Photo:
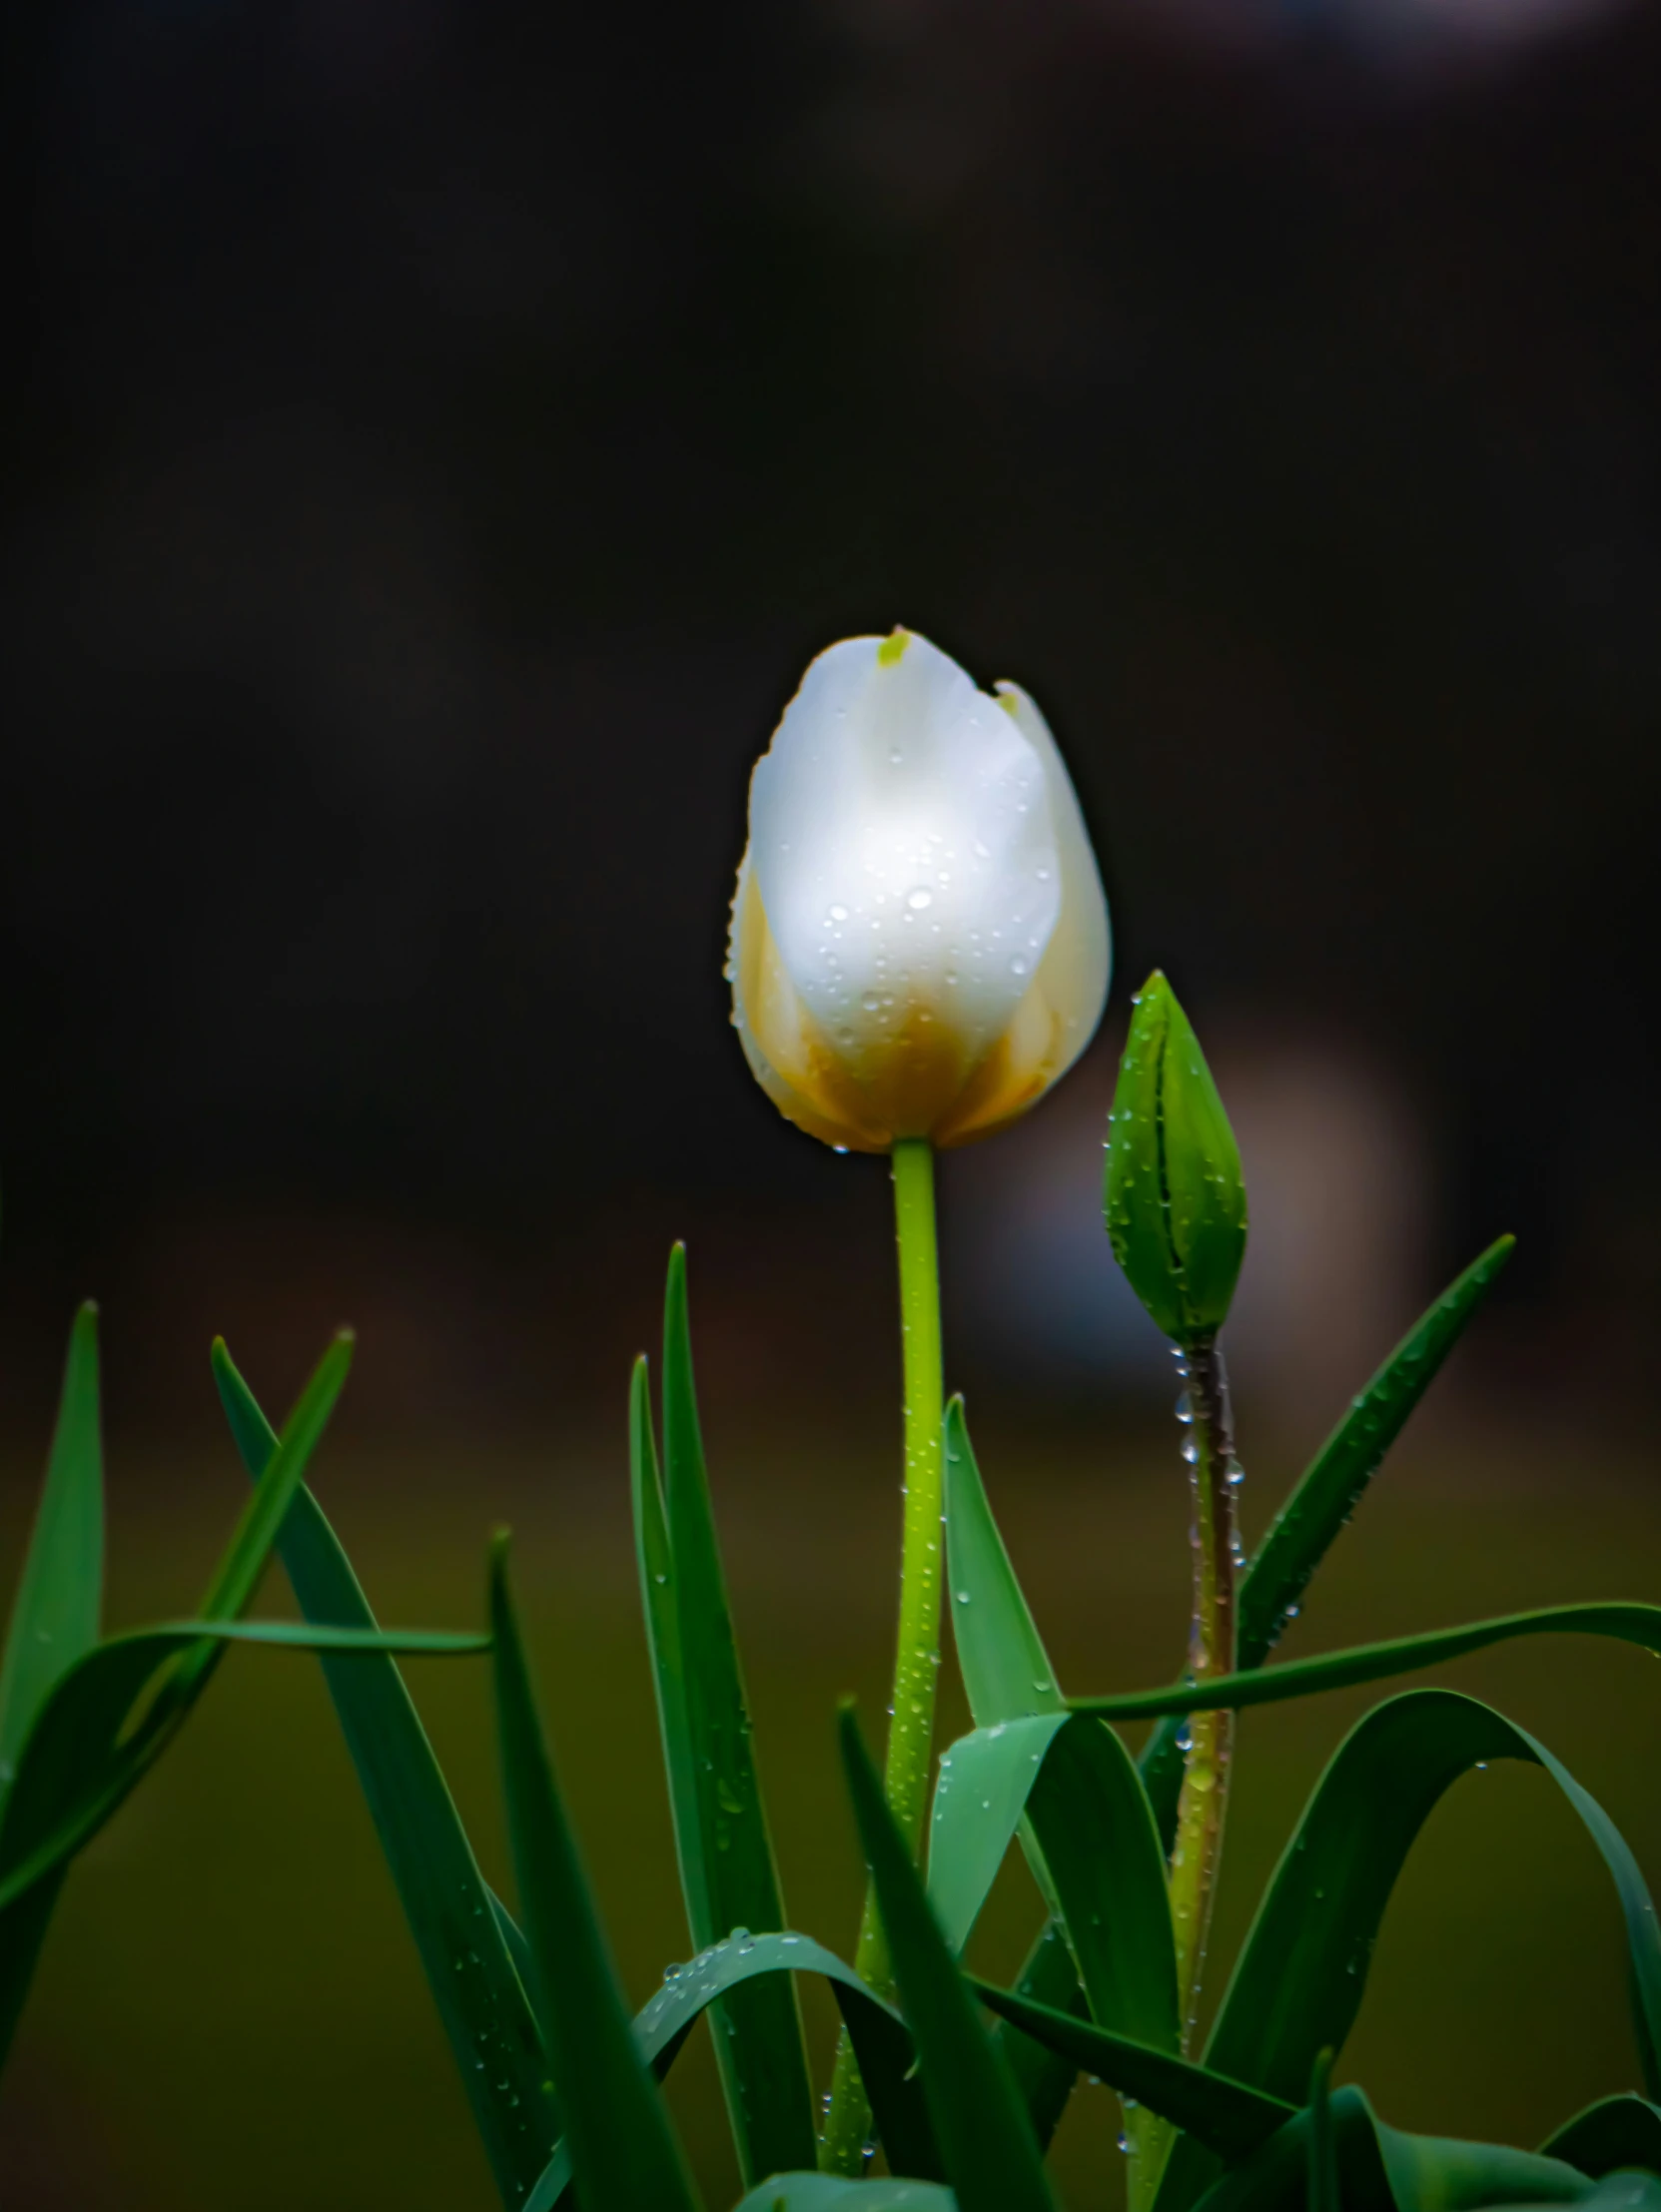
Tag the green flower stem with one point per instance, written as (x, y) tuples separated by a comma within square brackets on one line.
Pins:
[(922, 1567), (1204, 1797)]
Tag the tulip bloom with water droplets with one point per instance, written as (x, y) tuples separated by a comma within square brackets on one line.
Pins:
[(920, 943)]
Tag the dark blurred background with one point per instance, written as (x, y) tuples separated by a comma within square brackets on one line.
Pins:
[(436, 438)]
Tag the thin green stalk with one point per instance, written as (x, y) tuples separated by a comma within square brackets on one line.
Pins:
[(1193, 1859), (1209, 1741), (922, 1567)]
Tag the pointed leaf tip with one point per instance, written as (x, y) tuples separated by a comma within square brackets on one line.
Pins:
[(56, 1605), (729, 1873), (444, 1897)]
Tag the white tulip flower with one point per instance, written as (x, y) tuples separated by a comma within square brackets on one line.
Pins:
[(920, 943)]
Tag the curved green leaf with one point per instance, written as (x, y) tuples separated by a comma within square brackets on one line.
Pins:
[(1080, 1789), (74, 1771), (1085, 1820), (1404, 1655), (460, 1930), (726, 1853), (1303, 1968), (985, 2140), (1439, 2174), (1380, 2169), (1232, 2117), (1613, 2133), (623, 2148), (1324, 1497), (829, 2193), (80, 1759), (1622, 2191), (54, 1616), (980, 1797), (882, 2042), (1302, 1972)]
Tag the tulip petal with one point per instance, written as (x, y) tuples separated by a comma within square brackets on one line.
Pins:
[(794, 1067), (1059, 1016), (1077, 960), (919, 941), (904, 849)]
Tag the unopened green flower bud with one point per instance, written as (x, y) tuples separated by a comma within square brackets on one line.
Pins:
[(1175, 1196)]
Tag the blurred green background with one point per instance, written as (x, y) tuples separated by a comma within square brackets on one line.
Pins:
[(230, 2010)]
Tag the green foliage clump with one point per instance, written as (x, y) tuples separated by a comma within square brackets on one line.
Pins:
[(965, 2081)]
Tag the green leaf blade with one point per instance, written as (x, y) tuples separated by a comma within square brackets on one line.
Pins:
[(623, 2152), (986, 2141), (655, 1561), (729, 1856), (1324, 1497), (1380, 2169), (980, 1798), (1228, 2116), (1008, 1676), (55, 1613), (1302, 1971), (817, 2192), (1337, 1478), (1094, 1826), (1406, 1654), (1044, 2078), (80, 1759), (1613, 2133), (1006, 1670), (483, 2007), (881, 2040)]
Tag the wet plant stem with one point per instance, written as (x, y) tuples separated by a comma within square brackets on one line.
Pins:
[(1209, 1449), (922, 1573), (1209, 1737)]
